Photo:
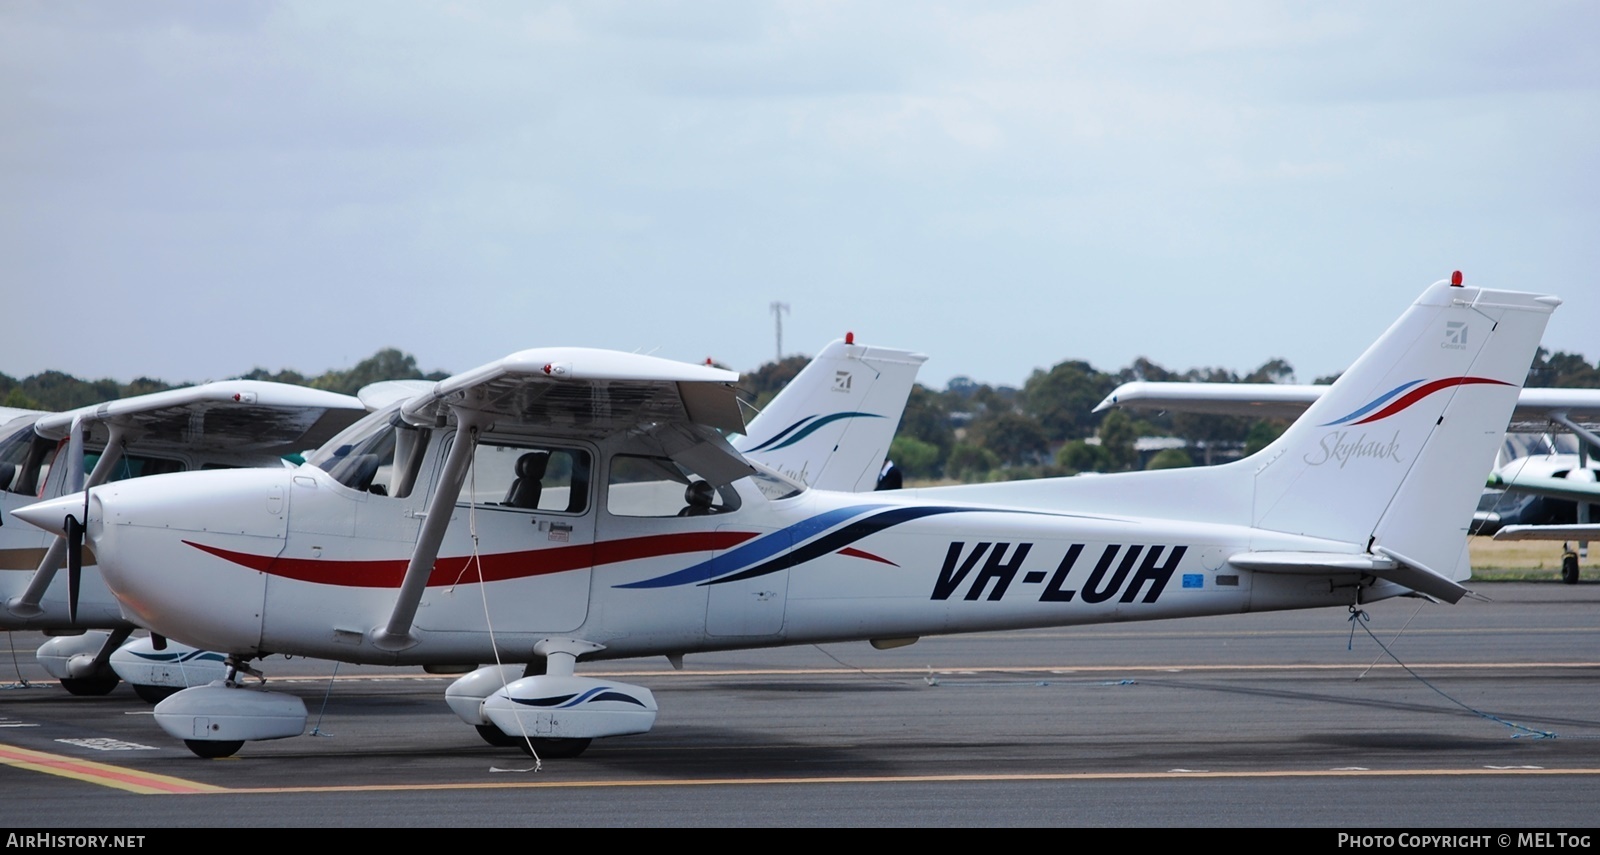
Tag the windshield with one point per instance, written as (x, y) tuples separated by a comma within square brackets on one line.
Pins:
[(355, 457)]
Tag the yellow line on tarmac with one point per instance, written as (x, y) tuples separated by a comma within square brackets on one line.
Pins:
[(133, 781), (917, 671), (921, 779), (104, 774)]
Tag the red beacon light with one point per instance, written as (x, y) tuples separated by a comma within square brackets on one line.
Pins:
[(1455, 279), (849, 338)]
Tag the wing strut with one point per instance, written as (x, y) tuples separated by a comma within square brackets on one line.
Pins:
[(396, 635), (26, 604)]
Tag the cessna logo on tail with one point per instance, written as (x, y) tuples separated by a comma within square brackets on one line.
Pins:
[(1000, 563), (1455, 335)]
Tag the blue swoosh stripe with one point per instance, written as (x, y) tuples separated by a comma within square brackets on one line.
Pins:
[(781, 434), (819, 423), (760, 549), (1376, 403)]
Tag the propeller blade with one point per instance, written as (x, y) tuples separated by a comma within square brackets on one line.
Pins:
[(74, 564), (158, 641)]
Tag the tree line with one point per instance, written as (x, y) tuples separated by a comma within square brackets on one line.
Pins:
[(968, 432)]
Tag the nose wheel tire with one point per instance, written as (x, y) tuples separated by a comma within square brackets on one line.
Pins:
[(213, 750), (154, 694), (90, 686), (497, 737)]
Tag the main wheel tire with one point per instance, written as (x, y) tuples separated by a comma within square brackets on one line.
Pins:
[(154, 694), (1569, 569), (497, 737), (554, 748), (211, 750), (90, 686)]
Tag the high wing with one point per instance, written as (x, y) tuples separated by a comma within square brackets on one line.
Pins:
[(240, 415), (586, 392), (1535, 409), (9, 413)]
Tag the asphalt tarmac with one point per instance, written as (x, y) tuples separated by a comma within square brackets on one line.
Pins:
[(1281, 719)]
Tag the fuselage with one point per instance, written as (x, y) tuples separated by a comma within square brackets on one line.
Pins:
[(310, 561)]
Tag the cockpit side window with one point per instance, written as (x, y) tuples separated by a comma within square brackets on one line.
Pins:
[(528, 477)]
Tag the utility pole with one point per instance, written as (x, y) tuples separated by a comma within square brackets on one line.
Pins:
[(778, 311)]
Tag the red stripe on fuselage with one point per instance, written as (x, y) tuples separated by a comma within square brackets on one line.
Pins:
[(388, 573), (857, 553)]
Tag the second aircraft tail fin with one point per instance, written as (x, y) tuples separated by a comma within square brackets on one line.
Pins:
[(832, 425)]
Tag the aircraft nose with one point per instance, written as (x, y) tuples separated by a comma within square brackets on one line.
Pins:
[(51, 514)]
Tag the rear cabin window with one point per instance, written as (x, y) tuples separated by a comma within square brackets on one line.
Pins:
[(641, 486)]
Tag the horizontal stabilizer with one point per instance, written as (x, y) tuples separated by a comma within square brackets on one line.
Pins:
[(1312, 563), (1394, 568)]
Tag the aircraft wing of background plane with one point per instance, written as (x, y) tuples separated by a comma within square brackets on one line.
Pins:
[(1575, 531), (9, 413), (381, 394), (239, 415), (1571, 489), (1534, 410)]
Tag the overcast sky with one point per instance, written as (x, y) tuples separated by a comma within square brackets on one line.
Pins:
[(189, 190)]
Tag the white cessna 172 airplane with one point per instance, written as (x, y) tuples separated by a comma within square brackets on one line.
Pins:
[(831, 425), (649, 535), (216, 425), (1531, 496)]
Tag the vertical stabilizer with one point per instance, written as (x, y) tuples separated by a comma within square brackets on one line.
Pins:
[(832, 425), (1391, 456)]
